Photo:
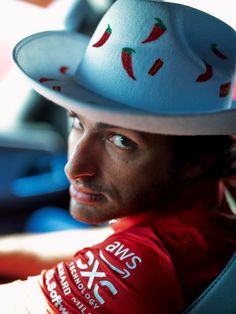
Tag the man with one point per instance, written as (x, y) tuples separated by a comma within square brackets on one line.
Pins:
[(150, 84)]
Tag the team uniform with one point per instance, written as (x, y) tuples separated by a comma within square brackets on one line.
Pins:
[(151, 264)]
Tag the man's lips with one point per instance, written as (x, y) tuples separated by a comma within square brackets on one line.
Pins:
[(84, 196)]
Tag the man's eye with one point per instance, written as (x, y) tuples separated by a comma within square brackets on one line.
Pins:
[(122, 142), (74, 122)]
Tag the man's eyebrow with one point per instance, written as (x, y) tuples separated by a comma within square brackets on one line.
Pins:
[(102, 125), (99, 125)]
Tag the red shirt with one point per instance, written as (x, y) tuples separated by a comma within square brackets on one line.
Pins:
[(151, 264)]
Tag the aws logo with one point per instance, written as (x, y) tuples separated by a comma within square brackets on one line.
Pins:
[(124, 254), (92, 274)]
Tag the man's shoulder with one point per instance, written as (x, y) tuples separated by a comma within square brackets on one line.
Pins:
[(124, 272)]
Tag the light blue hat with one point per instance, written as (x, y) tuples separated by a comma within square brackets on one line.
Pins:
[(151, 66)]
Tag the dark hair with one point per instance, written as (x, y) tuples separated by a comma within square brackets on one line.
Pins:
[(221, 147)]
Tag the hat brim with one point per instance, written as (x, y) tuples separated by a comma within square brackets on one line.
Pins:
[(51, 75)]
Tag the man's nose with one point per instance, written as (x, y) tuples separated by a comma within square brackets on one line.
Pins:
[(82, 159)]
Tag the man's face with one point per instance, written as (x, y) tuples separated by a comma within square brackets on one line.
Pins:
[(117, 172)]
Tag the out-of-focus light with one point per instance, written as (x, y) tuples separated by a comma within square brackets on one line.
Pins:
[(41, 3), (234, 92), (100, 6), (5, 58), (18, 19), (14, 92)]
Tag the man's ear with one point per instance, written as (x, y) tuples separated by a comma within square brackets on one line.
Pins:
[(199, 166)]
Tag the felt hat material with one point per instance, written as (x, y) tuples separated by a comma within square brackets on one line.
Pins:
[(151, 66)]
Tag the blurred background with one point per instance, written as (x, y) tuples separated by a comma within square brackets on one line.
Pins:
[(33, 188)]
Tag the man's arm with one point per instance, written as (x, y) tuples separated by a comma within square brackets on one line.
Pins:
[(23, 297), (23, 255), (127, 272)]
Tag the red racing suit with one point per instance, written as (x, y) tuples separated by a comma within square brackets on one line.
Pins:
[(151, 264)]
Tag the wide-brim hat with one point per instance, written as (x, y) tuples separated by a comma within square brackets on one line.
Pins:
[(151, 66)]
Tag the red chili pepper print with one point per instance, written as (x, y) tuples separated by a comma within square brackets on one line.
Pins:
[(217, 52), (46, 79), (207, 75), (104, 37), (57, 88), (63, 69), (224, 89), (155, 67), (157, 31), (126, 57)]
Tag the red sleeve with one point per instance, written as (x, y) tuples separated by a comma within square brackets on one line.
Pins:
[(128, 273)]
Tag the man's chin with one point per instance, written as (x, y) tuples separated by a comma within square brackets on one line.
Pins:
[(86, 213)]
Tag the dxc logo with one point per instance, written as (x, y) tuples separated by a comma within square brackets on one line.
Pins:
[(92, 274)]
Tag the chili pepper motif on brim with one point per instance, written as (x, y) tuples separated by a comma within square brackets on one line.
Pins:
[(56, 88), (207, 75), (217, 52), (46, 79), (225, 89), (62, 70)]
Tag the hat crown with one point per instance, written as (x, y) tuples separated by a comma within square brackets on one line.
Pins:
[(161, 57)]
